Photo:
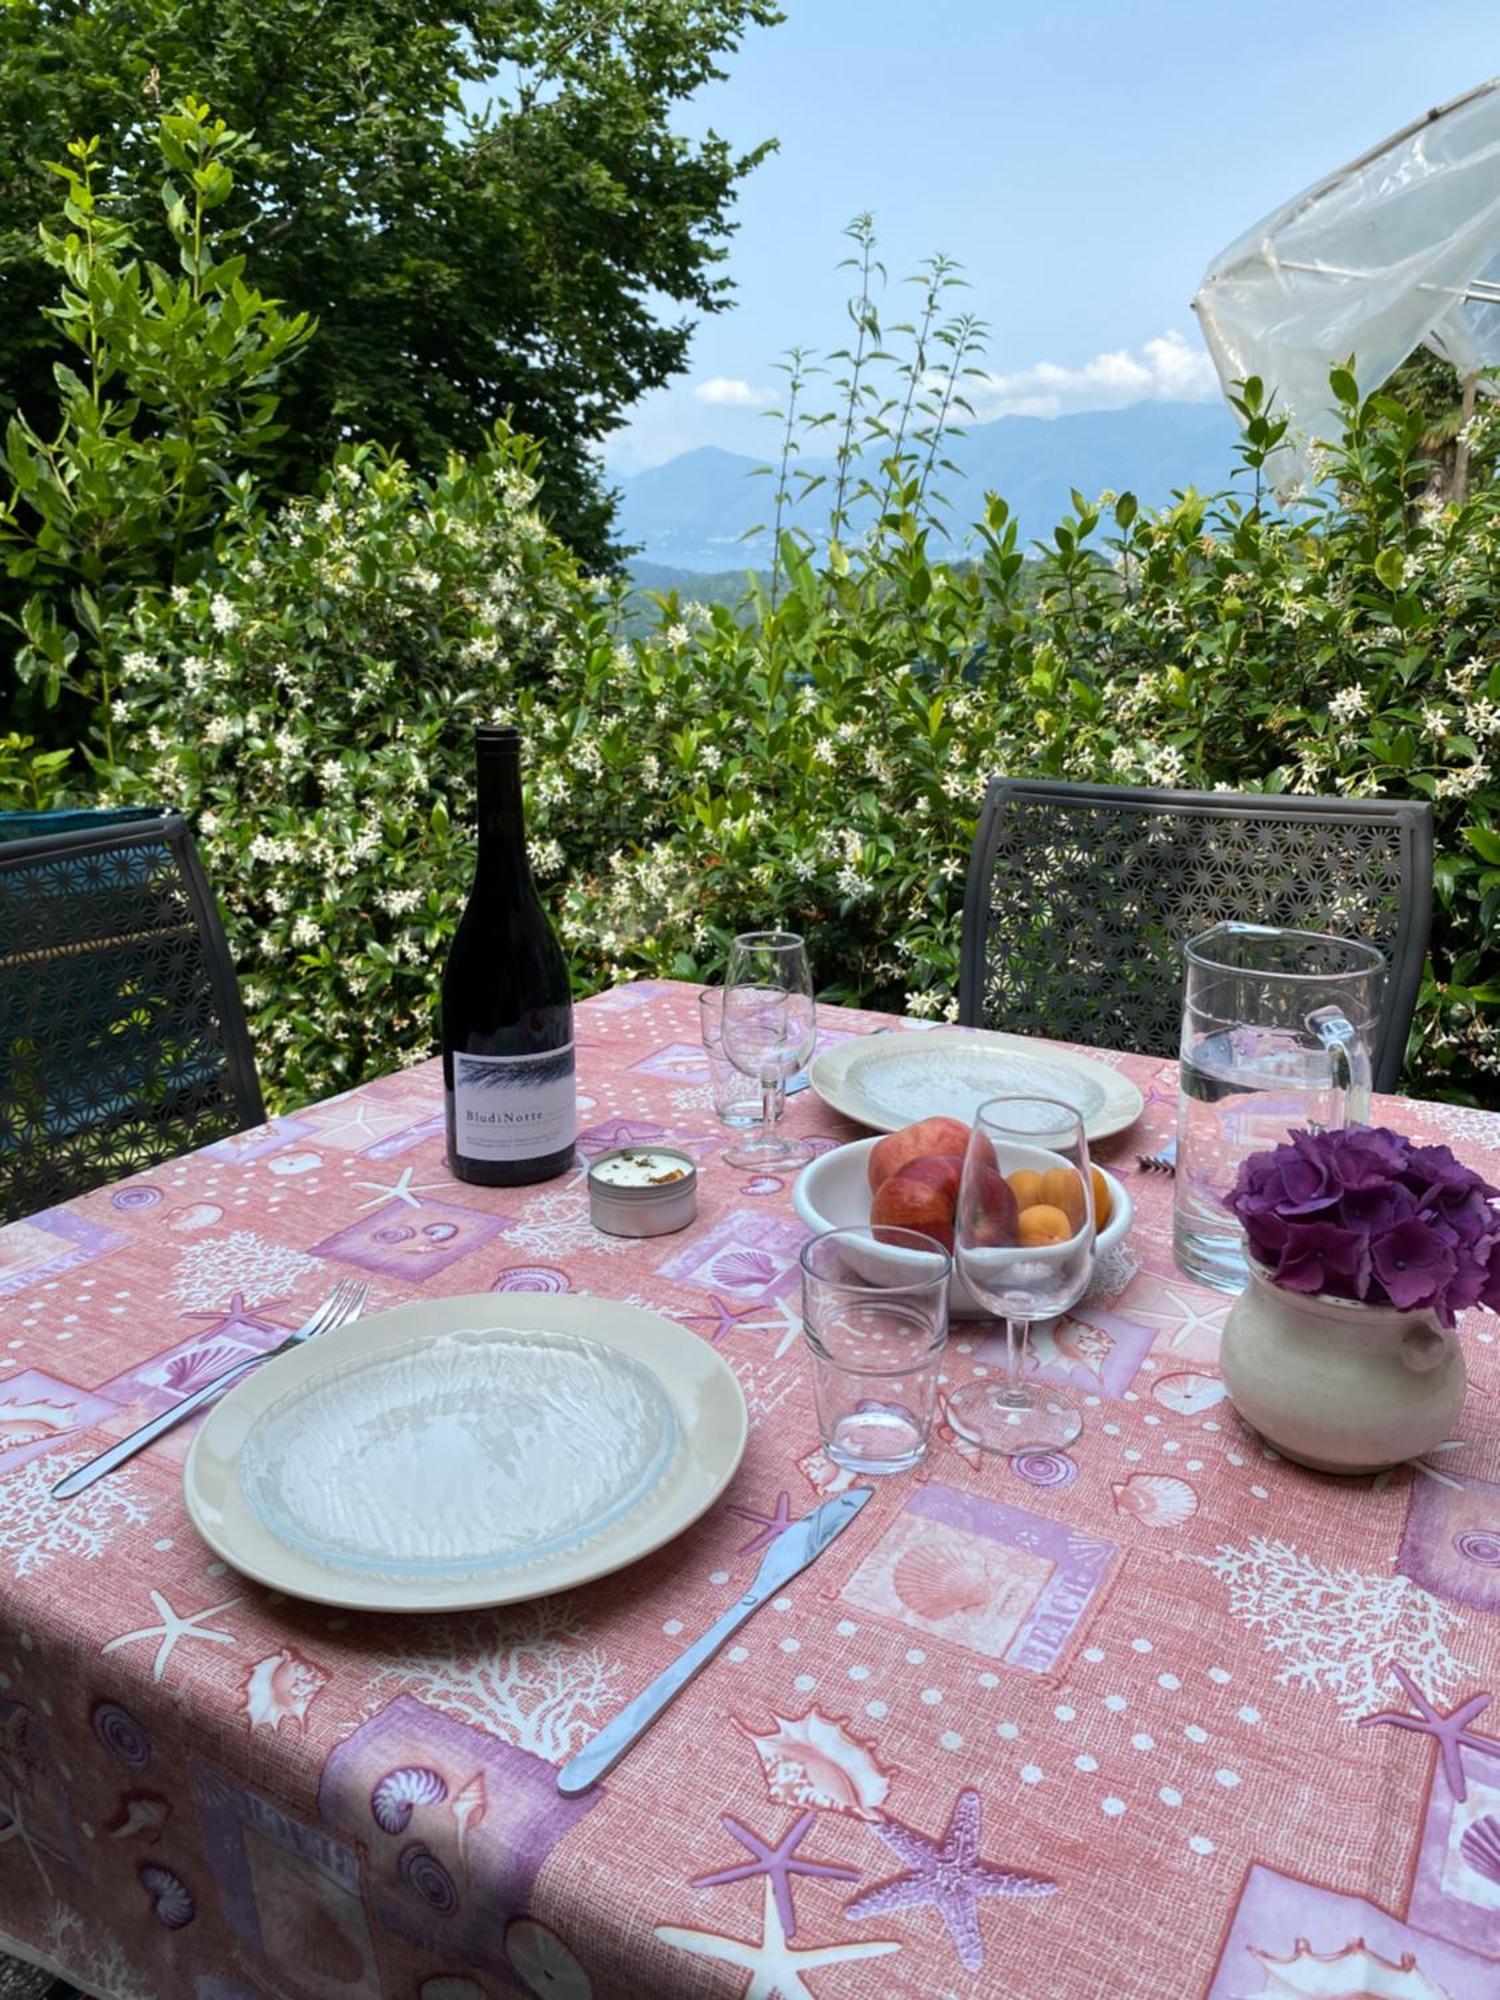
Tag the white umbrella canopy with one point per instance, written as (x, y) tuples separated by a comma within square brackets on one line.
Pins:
[(1399, 249)]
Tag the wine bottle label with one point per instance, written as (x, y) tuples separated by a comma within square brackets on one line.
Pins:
[(514, 1107)]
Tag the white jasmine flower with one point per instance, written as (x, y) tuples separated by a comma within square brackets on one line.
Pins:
[(223, 613), (306, 931), (1348, 703)]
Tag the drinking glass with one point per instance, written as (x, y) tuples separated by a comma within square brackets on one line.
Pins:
[(736, 1099), (770, 1030), (1027, 1158), (1277, 1026), (875, 1318)]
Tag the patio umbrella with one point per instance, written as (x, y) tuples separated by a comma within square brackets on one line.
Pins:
[(1398, 249)]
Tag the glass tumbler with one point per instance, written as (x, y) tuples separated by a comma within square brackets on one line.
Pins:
[(736, 1096), (875, 1318)]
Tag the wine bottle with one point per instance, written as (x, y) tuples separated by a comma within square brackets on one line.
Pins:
[(507, 1007)]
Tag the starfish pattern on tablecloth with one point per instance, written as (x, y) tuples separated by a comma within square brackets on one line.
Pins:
[(776, 1968), (778, 1864), (770, 1525), (238, 1314), (174, 1627), (719, 1319), (949, 1875), (1450, 1732)]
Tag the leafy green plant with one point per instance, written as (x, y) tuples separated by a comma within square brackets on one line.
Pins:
[(169, 403)]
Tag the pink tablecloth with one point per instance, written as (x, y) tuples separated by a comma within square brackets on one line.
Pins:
[(1082, 1725)]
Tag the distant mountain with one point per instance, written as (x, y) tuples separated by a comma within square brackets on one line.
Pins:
[(693, 512)]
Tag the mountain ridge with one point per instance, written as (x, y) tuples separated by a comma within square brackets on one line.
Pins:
[(692, 512)]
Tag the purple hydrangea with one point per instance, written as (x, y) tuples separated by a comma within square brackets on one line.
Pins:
[(1364, 1214)]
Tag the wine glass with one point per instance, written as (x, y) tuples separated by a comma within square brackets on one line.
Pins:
[(770, 1030), (1024, 1241)]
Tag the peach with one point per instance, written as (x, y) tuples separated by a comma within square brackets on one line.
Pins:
[(1026, 1186), (928, 1136), (921, 1196), (992, 1212)]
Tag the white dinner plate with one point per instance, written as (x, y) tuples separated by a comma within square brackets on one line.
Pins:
[(465, 1452), (887, 1081)]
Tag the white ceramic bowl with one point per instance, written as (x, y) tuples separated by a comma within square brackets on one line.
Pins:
[(833, 1192)]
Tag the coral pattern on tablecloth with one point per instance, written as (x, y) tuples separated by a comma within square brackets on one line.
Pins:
[(1157, 1716)]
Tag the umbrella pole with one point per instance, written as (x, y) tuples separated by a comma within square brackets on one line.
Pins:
[(1461, 456)]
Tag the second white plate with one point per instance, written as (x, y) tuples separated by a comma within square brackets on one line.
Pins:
[(465, 1452), (887, 1081)]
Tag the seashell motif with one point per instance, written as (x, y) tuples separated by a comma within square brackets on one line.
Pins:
[(1155, 1500), (743, 1270), (1089, 1346), (1355, 1973), (280, 1688), (440, 1232), (198, 1365), (422, 1872), (121, 1735), (198, 1215), (297, 1927), (1044, 1468), (939, 1582), (30, 1422), (812, 1760), (1188, 1392), (1480, 1846), (171, 1899), (128, 1198), (1479, 1545), (531, 1278), (543, 1963), (467, 1807), (394, 1232), (145, 1813), (395, 1796)]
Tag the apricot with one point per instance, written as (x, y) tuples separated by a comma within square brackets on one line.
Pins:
[(928, 1137), (1044, 1224), (1103, 1204), (1026, 1186), (1061, 1188)]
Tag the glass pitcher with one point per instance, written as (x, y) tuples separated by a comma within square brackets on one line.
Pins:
[(1277, 1028)]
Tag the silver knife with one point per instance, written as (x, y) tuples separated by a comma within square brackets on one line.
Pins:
[(791, 1552)]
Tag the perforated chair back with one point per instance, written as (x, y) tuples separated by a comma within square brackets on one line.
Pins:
[(122, 1037), (1081, 897)]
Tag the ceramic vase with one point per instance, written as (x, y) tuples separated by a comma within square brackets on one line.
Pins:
[(1339, 1385)]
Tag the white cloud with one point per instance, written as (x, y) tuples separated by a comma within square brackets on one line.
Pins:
[(1166, 370), (726, 392)]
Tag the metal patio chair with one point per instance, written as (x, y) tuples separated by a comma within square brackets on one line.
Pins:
[(1081, 897), (122, 1038)]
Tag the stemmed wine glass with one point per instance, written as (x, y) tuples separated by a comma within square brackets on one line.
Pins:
[(1024, 1241), (770, 1030)]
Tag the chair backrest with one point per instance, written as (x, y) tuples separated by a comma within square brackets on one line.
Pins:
[(1081, 897), (122, 1037)]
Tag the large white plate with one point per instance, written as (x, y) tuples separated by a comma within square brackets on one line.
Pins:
[(466, 1452), (888, 1081)]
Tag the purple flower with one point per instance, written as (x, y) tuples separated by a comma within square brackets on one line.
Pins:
[(1363, 1214), (1413, 1263), (1321, 1257)]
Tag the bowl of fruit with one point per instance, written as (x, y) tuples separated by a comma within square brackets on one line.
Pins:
[(909, 1180)]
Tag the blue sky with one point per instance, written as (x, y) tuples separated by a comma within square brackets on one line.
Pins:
[(1083, 162)]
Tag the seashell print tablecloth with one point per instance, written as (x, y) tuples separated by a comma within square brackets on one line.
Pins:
[(1157, 1716)]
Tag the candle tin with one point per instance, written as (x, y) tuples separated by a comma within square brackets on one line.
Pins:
[(643, 1209)]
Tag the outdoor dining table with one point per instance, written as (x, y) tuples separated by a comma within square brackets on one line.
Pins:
[(1160, 1715)]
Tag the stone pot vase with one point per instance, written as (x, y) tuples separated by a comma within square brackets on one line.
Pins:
[(1339, 1385)]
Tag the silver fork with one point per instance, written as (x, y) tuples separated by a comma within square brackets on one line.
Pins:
[(345, 1302), (1163, 1161)]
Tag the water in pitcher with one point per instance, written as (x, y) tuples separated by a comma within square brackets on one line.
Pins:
[(1242, 1092)]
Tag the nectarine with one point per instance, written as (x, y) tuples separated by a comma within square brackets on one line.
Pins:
[(913, 1142), (921, 1196), (991, 1211)]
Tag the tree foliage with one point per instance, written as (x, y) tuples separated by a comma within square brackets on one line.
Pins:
[(483, 202)]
